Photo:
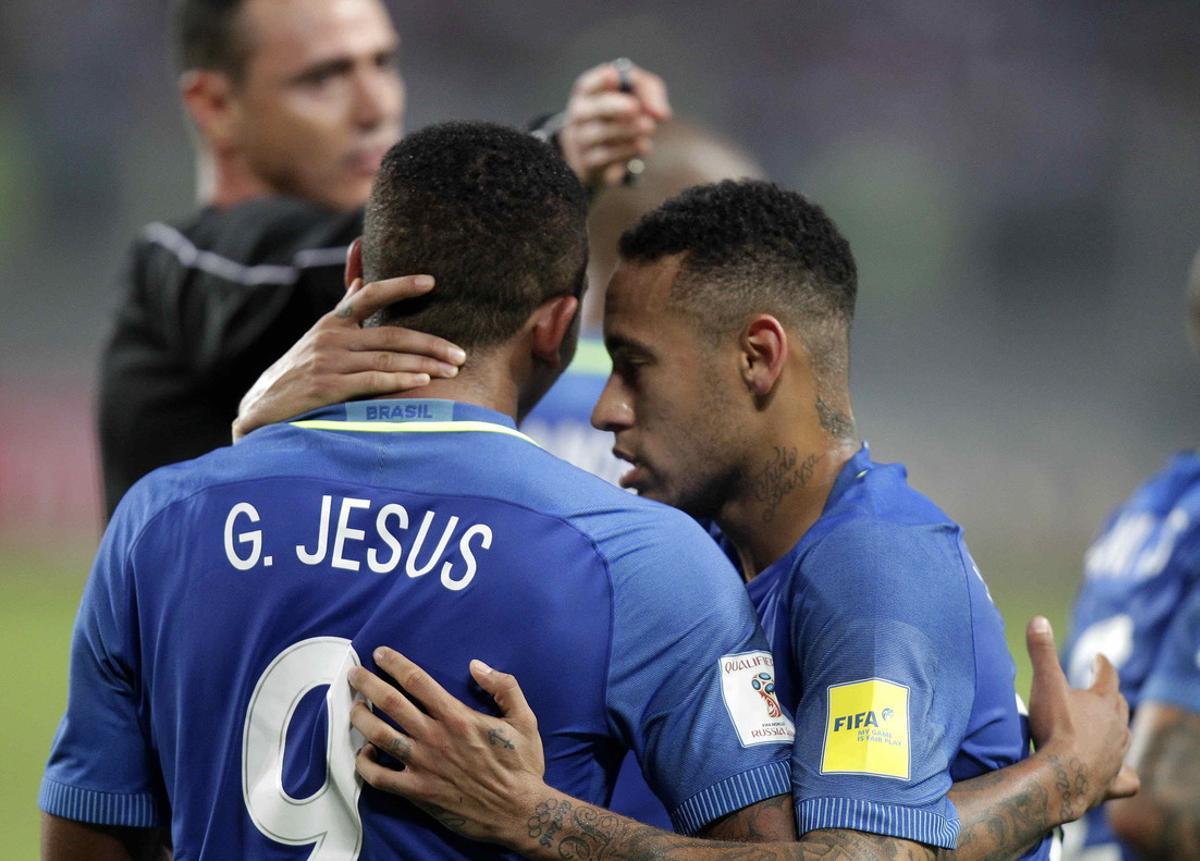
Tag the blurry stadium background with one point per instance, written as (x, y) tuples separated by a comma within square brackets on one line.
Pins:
[(1018, 181)]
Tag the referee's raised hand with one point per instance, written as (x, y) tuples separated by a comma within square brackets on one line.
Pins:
[(338, 360), (611, 118)]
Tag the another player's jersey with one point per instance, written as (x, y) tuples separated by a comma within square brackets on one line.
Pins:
[(1138, 606), (232, 594), (562, 421), (207, 305), (892, 657)]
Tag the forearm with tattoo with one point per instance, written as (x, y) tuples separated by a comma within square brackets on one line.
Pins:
[(560, 827), (1003, 814)]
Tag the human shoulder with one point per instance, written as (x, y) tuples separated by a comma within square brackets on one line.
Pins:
[(281, 231), (877, 563), (614, 518)]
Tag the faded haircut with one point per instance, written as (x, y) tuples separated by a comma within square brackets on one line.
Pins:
[(750, 247)]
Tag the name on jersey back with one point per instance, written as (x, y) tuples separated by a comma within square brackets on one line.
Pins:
[(340, 545)]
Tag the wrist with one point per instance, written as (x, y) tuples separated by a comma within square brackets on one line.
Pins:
[(517, 828), (1062, 773)]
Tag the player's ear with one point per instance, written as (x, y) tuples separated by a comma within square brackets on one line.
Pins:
[(208, 97), (554, 332), (353, 261), (764, 350)]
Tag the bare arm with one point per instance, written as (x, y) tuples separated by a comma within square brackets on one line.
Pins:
[(561, 827), (68, 840), (1082, 737), (482, 777), (1163, 821)]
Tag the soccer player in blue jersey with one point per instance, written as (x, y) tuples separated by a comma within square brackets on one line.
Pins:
[(683, 156), (727, 323), (1139, 605), (234, 596)]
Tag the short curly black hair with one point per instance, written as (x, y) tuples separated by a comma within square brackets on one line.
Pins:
[(207, 34), (751, 247), (750, 240), (496, 216)]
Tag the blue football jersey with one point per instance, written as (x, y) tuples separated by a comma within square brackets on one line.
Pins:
[(1139, 605), (562, 424), (232, 594), (890, 653), (562, 421)]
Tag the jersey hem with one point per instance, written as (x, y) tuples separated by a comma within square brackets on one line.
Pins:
[(891, 820), (732, 793), (131, 810)]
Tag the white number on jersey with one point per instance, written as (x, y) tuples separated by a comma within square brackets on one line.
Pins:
[(1138, 546), (1112, 637), (329, 817)]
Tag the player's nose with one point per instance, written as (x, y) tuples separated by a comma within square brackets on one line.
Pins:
[(614, 409)]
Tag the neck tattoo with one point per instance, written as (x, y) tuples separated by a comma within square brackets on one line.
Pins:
[(782, 474)]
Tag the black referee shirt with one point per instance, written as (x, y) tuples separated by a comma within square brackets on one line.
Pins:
[(209, 304)]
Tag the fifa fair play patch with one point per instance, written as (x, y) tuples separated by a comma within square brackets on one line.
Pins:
[(748, 688), (866, 730)]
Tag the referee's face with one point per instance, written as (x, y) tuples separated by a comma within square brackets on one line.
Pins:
[(669, 400), (321, 100)]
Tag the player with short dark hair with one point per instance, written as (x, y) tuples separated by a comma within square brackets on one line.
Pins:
[(727, 322), (683, 156), (233, 596), (294, 103), (1139, 605), (486, 291)]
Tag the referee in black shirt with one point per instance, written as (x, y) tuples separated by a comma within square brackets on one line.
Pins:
[(294, 103)]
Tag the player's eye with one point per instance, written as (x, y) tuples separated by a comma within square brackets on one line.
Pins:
[(627, 369), (387, 60)]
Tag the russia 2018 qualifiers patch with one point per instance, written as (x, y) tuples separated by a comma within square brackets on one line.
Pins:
[(748, 688)]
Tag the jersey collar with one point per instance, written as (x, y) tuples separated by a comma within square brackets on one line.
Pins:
[(852, 470), (408, 415)]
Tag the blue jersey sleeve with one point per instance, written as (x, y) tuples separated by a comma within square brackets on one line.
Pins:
[(691, 680), (102, 769), (883, 655), (1175, 676)]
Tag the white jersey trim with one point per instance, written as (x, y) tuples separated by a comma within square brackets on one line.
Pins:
[(167, 237)]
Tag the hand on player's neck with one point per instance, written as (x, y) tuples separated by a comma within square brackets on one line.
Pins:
[(486, 380)]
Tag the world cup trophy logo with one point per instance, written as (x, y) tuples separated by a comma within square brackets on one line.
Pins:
[(765, 685)]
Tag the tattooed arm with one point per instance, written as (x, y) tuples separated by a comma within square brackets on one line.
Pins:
[(481, 776), (1163, 821), (560, 827), (1082, 737)]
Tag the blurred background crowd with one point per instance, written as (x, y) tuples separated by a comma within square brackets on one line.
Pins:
[(1017, 181)]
